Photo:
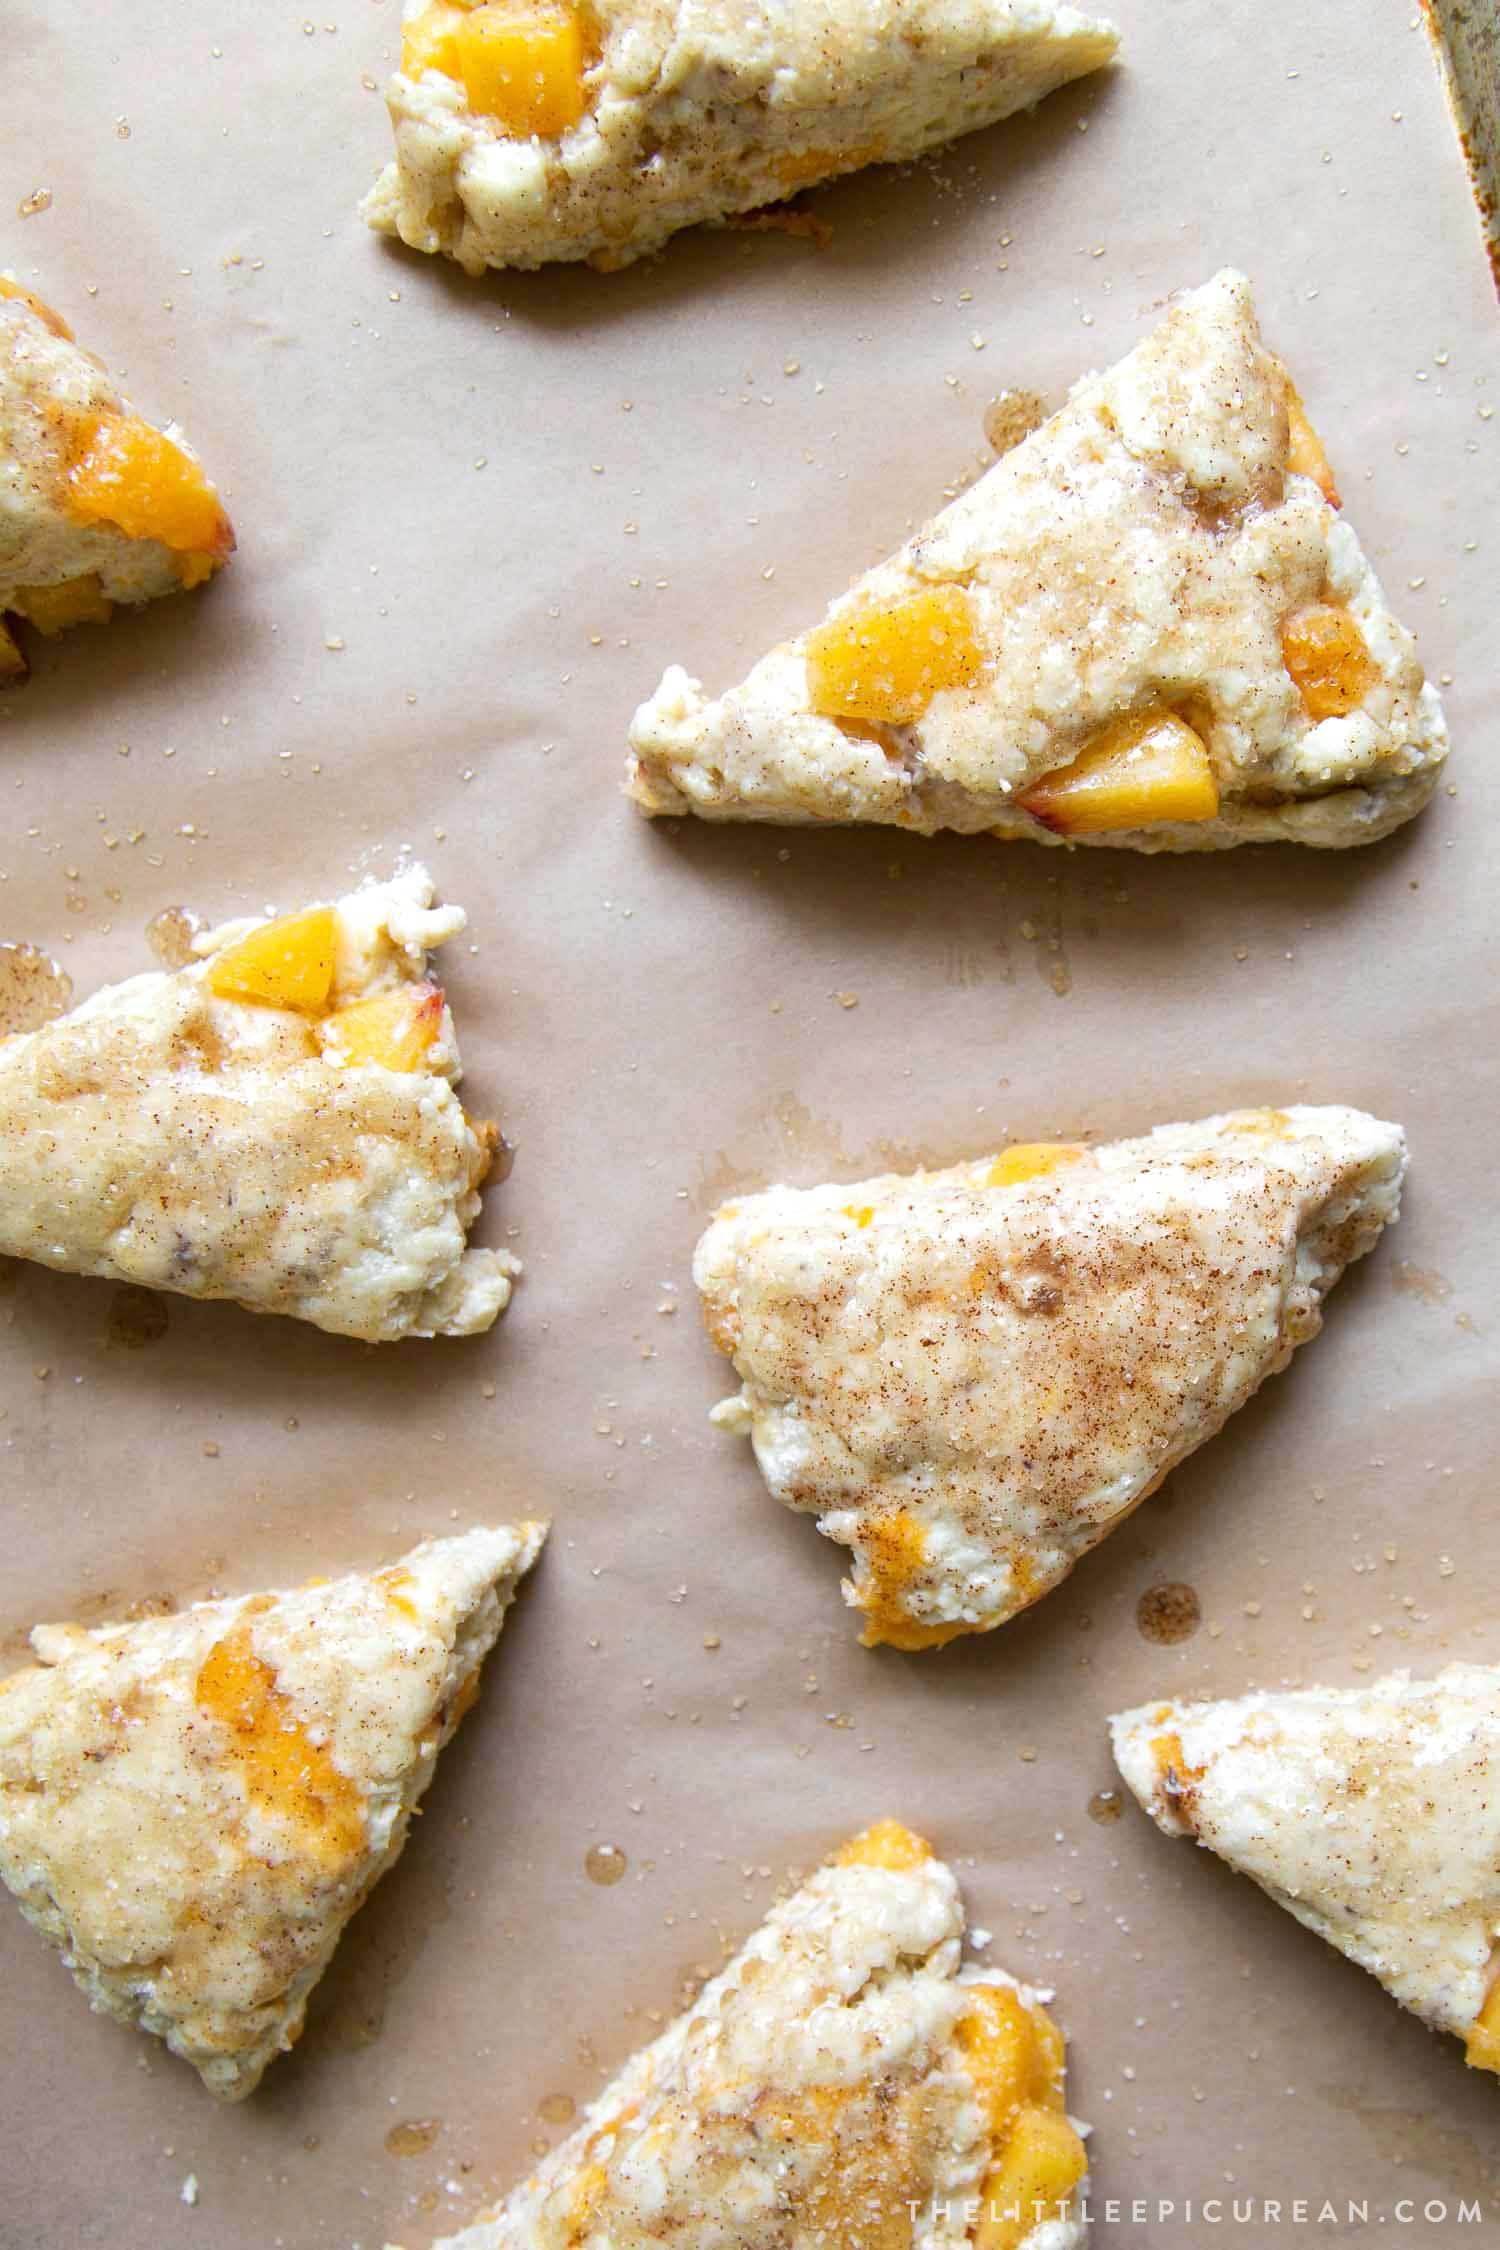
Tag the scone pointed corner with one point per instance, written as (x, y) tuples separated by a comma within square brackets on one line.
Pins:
[(599, 132), (928, 2082), (104, 508), (273, 1121), (192, 1807), (1148, 625), (1372, 1814), (970, 1376)]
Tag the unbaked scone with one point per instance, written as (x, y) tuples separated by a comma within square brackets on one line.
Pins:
[(971, 1376), (96, 506), (1147, 625), (532, 130), (275, 1123), (845, 2084), (192, 1807), (1371, 1813)]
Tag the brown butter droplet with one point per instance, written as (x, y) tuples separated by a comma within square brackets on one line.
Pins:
[(557, 2109), (1168, 1613), (33, 989), (1012, 416), (170, 935), (412, 2138), (604, 1864), (1106, 1805)]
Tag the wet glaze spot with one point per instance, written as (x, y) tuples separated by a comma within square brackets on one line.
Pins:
[(413, 2138), (33, 989), (136, 1318), (1012, 416), (1106, 1806), (1420, 1281), (557, 2109), (1168, 1613), (170, 936), (604, 1864)]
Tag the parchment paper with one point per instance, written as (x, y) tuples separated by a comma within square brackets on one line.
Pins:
[(475, 521)]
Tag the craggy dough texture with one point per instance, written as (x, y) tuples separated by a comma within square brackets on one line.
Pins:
[(701, 108), (970, 1384), (191, 1808), (821, 2085), (166, 1135), (1372, 1814), (54, 397), (1145, 547)]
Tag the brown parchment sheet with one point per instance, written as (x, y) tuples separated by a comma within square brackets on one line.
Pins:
[(475, 522)]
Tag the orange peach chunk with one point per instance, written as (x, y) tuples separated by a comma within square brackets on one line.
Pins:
[(284, 964), (1305, 456), (887, 660), (1328, 657), (1483, 2049), (394, 1029), (51, 609), (520, 63), (1140, 772), (886, 1843), (1031, 1160), (124, 472), (895, 1550), (43, 311), (1032, 2181), (285, 1773), (427, 42)]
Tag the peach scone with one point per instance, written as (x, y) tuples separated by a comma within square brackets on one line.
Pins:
[(1147, 625), (192, 1807), (846, 2081), (1371, 1813), (531, 130), (96, 505), (275, 1123), (971, 1376)]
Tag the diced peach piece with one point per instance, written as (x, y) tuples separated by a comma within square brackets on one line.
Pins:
[(1483, 2049), (895, 1549), (284, 964), (124, 472), (1305, 456), (394, 1029), (284, 1771), (997, 2038), (886, 1843), (43, 311), (1032, 2181), (51, 609), (812, 164), (428, 42), (522, 63), (1031, 1160), (887, 660), (1329, 658), (1140, 772)]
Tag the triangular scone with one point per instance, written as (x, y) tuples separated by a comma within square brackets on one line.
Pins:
[(529, 130), (191, 1808), (96, 506), (971, 1376), (844, 2082), (275, 1123), (1371, 1813), (1146, 625)]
